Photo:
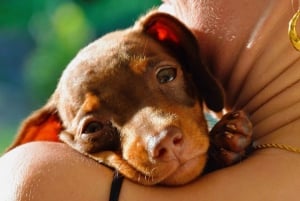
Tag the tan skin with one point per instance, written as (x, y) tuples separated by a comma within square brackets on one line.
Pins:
[(246, 45)]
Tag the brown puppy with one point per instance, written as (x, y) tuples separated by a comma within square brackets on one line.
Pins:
[(133, 101)]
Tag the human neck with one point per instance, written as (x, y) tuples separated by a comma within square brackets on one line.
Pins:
[(261, 73)]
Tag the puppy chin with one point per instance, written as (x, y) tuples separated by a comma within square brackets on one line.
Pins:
[(187, 172)]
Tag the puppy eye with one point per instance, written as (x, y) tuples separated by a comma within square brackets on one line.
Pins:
[(165, 75), (92, 127)]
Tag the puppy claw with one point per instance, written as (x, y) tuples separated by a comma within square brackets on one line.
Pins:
[(235, 115), (228, 135), (231, 126)]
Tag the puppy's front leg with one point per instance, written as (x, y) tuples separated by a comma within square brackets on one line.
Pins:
[(230, 140)]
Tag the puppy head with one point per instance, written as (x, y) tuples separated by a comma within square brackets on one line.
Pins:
[(133, 101)]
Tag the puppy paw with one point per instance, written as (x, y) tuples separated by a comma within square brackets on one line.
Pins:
[(230, 138)]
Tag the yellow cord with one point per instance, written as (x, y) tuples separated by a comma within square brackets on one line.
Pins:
[(277, 146)]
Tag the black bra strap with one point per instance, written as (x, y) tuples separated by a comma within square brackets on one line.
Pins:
[(116, 186)]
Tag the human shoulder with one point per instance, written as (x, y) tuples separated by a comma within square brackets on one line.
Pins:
[(52, 171)]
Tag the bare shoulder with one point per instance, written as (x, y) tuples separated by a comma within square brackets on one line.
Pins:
[(267, 175), (51, 171)]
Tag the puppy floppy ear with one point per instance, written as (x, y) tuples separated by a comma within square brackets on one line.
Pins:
[(174, 35), (42, 125)]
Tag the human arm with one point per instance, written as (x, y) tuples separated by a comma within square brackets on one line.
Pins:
[(52, 171)]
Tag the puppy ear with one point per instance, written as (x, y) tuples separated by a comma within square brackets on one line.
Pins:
[(171, 33), (42, 125)]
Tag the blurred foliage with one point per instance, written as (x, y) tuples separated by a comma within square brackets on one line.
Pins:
[(57, 40), (37, 40)]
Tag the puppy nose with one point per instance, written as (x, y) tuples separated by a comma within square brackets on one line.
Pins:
[(166, 145)]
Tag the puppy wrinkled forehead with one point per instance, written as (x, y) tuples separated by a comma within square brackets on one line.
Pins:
[(118, 55), (109, 52)]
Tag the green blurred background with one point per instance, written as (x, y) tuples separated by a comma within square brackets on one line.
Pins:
[(37, 40)]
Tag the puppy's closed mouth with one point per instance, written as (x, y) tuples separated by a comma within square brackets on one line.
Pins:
[(175, 172), (172, 172), (183, 174)]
